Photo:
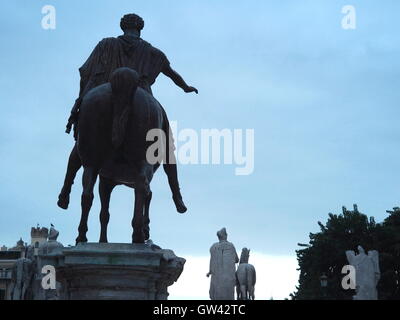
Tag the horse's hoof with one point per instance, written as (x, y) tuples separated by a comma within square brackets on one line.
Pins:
[(63, 201), (81, 240), (179, 204), (146, 235), (138, 239)]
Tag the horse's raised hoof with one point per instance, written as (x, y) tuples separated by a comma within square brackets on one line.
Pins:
[(63, 201), (179, 204)]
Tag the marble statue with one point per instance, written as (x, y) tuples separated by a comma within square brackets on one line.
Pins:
[(245, 277), (222, 268), (367, 273), (22, 276), (27, 274), (53, 234)]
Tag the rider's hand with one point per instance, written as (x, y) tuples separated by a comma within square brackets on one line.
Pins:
[(189, 89)]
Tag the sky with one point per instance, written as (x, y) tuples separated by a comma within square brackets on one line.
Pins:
[(322, 101)]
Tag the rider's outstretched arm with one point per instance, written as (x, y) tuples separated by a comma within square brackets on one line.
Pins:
[(178, 80)]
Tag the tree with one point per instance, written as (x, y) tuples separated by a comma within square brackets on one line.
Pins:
[(387, 239), (325, 254)]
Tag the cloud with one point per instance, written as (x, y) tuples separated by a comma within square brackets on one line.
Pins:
[(276, 277)]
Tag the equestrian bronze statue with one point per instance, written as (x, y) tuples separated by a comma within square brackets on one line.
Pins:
[(111, 118)]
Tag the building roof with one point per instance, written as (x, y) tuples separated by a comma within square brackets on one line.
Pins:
[(10, 255)]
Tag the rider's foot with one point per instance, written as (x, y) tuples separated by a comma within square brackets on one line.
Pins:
[(180, 205), (63, 201)]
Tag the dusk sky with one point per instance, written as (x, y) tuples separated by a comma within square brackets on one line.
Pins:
[(323, 102)]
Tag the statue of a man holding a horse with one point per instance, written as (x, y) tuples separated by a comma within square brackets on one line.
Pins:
[(111, 118)]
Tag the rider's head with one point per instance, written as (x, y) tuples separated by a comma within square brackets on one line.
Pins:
[(361, 250), (132, 22)]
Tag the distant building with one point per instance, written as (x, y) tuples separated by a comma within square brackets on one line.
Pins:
[(8, 257), (38, 236)]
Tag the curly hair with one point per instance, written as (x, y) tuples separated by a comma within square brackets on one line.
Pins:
[(131, 21)]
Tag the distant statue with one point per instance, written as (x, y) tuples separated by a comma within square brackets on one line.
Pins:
[(22, 276), (367, 273), (245, 277), (222, 268), (53, 234)]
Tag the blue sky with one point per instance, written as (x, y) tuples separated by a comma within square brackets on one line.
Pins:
[(323, 102)]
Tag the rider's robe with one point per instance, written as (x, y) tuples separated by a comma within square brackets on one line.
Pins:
[(124, 51)]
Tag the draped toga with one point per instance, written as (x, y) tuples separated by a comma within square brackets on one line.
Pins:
[(223, 271), (124, 51)]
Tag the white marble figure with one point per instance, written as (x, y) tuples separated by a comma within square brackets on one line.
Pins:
[(222, 268), (367, 273), (22, 276), (27, 271), (53, 234)]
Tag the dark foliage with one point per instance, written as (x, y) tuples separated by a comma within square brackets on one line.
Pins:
[(325, 254)]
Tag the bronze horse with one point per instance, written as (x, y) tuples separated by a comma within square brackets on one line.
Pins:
[(114, 121)]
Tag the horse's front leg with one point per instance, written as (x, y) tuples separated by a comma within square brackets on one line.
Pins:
[(105, 189), (88, 181), (142, 194)]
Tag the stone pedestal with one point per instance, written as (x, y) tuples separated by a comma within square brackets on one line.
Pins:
[(94, 271)]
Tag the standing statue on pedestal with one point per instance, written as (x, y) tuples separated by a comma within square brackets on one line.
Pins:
[(112, 117), (222, 268), (26, 275), (367, 273), (246, 277), (22, 275)]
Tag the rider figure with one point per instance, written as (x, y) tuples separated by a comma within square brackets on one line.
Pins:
[(128, 50)]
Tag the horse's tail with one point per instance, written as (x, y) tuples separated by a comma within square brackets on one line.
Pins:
[(124, 82)]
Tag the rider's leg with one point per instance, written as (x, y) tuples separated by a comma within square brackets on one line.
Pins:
[(74, 164)]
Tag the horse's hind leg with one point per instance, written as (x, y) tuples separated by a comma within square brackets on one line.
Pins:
[(105, 188), (243, 292), (88, 181), (146, 222), (251, 293), (142, 192)]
